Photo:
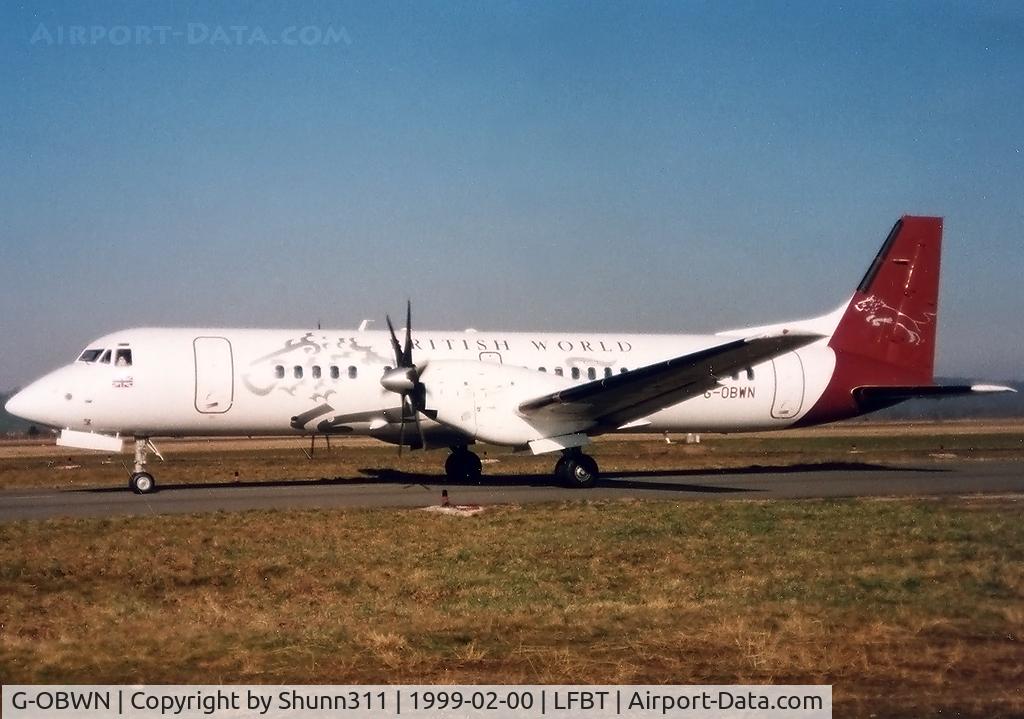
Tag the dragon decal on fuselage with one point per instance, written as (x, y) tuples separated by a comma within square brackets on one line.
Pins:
[(298, 351)]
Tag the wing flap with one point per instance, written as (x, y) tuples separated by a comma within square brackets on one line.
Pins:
[(616, 400)]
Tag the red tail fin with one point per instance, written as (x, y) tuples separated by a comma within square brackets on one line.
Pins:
[(886, 337), (891, 318)]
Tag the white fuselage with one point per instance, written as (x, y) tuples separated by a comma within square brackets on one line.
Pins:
[(267, 382)]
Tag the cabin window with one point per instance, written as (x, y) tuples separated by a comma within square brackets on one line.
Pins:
[(90, 355), (607, 371), (353, 371), (316, 371), (123, 358), (335, 372), (279, 372), (105, 359), (558, 371), (591, 373), (750, 373), (623, 370), (542, 369), (575, 371), (297, 372)]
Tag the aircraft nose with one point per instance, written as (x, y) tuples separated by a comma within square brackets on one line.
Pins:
[(17, 404), (35, 403)]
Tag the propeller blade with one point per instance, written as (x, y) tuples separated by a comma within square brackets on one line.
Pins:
[(418, 393), (401, 429), (394, 342), (404, 379), (419, 428), (407, 355)]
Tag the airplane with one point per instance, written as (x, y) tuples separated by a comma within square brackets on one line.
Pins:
[(533, 392)]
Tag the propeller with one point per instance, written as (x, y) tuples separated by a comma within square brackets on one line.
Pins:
[(404, 379)]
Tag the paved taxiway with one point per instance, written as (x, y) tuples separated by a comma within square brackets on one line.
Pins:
[(391, 489)]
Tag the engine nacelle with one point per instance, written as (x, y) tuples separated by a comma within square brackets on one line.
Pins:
[(482, 400)]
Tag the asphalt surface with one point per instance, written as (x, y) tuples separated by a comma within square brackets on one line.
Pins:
[(392, 489)]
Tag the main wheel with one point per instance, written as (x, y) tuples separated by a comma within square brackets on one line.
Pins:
[(578, 471), (560, 468), (463, 466), (142, 483)]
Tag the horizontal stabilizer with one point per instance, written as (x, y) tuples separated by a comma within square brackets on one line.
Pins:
[(874, 398)]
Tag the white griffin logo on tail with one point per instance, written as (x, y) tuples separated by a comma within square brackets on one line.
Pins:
[(880, 313)]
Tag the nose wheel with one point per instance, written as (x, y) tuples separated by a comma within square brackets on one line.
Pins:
[(141, 481), (576, 470)]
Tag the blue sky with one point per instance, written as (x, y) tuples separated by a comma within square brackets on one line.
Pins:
[(645, 166)]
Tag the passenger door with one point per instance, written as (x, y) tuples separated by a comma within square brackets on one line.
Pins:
[(215, 375), (789, 386)]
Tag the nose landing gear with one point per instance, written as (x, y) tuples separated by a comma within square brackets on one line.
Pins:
[(141, 481)]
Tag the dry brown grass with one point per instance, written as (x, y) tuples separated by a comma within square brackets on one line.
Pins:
[(918, 605)]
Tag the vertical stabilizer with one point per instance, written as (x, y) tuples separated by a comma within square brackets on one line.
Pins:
[(892, 316), (886, 335)]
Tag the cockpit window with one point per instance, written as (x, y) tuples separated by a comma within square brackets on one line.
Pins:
[(123, 358), (90, 355), (105, 359)]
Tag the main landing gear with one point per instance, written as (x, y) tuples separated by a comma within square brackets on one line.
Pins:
[(463, 465), (141, 481), (576, 469)]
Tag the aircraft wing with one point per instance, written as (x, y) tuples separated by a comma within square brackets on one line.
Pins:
[(617, 400)]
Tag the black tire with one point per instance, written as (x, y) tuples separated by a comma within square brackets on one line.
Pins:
[(579, 471), (560, 469), (142, 483), (463, 466)]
